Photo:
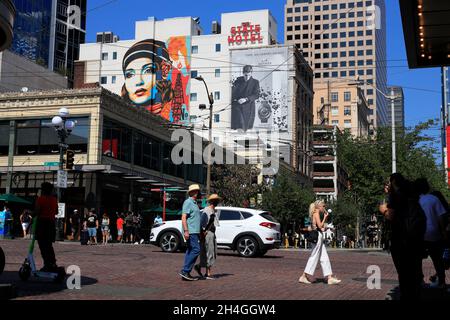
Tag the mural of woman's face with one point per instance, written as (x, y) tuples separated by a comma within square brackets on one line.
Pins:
[(140, 78)]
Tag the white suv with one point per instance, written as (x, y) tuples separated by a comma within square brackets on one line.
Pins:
[(250, 232)]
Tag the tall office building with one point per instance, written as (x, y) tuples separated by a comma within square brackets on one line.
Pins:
[(45, 33), (399, 107), (343, 40)]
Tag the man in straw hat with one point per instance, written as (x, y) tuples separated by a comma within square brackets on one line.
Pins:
[(191, 225), (208, 252)]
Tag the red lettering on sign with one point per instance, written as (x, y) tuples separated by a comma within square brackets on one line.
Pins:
[(233, 30), (257, 28), (238, 39), (230, 39)]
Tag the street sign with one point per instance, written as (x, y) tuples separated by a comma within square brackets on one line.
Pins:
[(62, 179), (61, 210), (51, 164)]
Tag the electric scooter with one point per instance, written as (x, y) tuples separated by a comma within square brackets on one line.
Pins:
[(28, 268)]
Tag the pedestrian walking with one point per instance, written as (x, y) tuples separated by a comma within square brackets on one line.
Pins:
[(25, 220), (92, 226), (208, 243), (436, 216), (46, 210), (319, 252), (105, 228), (120, 222), (75, 225), (129, 228), (191, 225)]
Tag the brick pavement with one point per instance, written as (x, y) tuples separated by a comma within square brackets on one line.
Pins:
[(119, 271)]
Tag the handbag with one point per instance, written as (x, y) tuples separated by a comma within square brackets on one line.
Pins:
[(313, 236)]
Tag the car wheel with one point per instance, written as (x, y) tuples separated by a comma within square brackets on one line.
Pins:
[(169, 242), (2, 260), (247, 246)]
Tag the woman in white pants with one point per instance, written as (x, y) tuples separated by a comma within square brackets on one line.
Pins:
[(319, 252)]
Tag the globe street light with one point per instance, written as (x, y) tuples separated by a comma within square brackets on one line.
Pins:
[(63, 128)]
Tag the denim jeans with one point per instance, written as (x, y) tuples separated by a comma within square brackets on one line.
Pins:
[(192, 252)]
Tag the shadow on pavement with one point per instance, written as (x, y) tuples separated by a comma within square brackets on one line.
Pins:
[(36, 287)]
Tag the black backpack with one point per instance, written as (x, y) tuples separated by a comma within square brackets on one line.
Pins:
[(414, 223)]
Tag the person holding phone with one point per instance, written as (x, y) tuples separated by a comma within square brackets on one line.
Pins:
[(319, 251)]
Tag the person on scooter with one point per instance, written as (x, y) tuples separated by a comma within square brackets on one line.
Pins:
[(46, 209)]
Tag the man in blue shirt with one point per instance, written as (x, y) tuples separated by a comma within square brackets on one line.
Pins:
[(191, 226)]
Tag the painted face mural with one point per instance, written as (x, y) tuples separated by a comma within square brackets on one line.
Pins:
[(156, 77)]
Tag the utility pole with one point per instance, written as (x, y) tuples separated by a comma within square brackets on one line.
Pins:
[(394, 156)]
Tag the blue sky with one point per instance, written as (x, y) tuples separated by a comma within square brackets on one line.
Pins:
[(119, 16)]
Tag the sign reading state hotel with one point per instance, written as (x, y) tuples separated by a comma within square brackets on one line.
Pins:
[(245, 33)]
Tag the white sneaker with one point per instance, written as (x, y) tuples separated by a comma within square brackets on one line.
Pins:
[(333, 281), (304, 279)]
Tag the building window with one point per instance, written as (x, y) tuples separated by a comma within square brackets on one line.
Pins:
[(369, 32), (289, 37), (347, 124), (103, 80), (369, 92), (114, 55), (360, 43), (317, 65), (217, 95), (298, 9), (347, 111), (347, 96), (317, 8), (289, 10), (326, 17), (351, 73), (360, 4), (343, 44), (297, 19), (193, 96), (217, 118), (360, 14), (289, 28), (343, 64), (360, 63), (326, 74), (334, 16), (334, 111), (326, 36), (217, 73), (194, 74), (370, 102), (343, 54), (326, 46), (289, 19), (351, 53), (297, 28), (351, 25), (334, 35), (334, 45), (334, 74), (343, 25), (113, 79), (317, 18), (218, 47), (335, 122), (360, 23), (334, 7), (334, 54), (305, 18), (360, 72), (194, 49), (317, 27), (326, 55), (305, 36), (342, 6), (351, 14), (343, 73), (369, 72), (369, 52), (297, 37), (334, 97), (105, 56), (352, 63), (334, 64), (317, 75)]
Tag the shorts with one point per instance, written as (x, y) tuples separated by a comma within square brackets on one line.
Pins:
[(120, 232), (25, 226), (105, 229), (130, 231), (92, 232)]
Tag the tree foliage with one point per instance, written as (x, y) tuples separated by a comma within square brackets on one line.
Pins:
[(236, 184), (368, 162), (287, 201)]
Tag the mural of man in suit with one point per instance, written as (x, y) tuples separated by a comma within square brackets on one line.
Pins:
[(244, 93)]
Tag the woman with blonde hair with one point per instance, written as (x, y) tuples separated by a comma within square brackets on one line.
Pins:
[(319, 252)]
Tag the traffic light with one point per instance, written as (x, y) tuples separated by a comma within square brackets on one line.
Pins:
[(70, 154)]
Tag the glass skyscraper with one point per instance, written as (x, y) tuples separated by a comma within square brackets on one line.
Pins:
[(32, 29), (41, 33)]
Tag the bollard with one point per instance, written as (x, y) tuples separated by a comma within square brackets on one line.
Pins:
[(296, 243), (286, 242)]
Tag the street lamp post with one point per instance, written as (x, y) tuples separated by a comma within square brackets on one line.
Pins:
[(211, 102), (392, 98), (63, 128)]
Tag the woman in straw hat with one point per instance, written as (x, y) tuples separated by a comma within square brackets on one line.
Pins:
[(208, 251)]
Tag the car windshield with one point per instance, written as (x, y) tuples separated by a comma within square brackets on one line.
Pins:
[(268, 216)]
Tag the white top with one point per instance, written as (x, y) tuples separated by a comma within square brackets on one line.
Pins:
[(433, 209)]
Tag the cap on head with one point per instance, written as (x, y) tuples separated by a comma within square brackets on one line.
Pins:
[(214, 197), (193, 187)]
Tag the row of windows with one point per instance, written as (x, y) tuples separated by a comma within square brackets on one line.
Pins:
[(342, 25), (218, 48), (38, 136), (193, 96), (104, 80), (343, 64), (347, 111), (347, 123), (334, 16), (126, 144), (326, 7), (342, 44), (341, 74), (105, 56), (326, 36), (194, 73), (327, 55)]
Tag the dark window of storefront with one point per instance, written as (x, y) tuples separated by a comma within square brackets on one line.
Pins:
[(4, 138), (169, 167), (38, 136), (146, 152), (116, 141)]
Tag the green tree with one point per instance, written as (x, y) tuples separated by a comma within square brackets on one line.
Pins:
[(369, 161), (287, 201), (236, 184)]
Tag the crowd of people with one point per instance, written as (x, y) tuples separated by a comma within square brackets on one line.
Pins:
[(116, 227)]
